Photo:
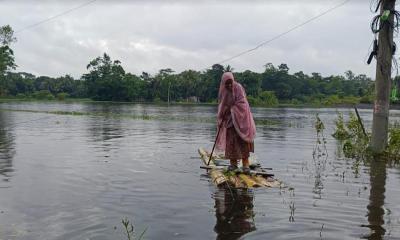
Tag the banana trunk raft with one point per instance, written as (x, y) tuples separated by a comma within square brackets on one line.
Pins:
[(219, 175)]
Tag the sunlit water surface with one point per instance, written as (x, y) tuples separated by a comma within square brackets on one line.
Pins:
[(77, 176)]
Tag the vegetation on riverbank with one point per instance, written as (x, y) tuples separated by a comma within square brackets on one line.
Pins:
[(355, 142), (107, 80), (214, 103)]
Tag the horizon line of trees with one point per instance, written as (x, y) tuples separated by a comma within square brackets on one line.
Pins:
[(106, 80)]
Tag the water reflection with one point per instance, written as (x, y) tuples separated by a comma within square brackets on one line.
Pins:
[(103, 129), (375, 208), (105, 132), (7, 151), (234, 213), (107, 127), (79, 186)]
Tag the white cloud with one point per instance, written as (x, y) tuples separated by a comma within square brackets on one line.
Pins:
[(150, 35)]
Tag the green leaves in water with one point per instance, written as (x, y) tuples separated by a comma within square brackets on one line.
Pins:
[(320, 145), (341, 132), (356, 144), (393, 148), (319, 125)]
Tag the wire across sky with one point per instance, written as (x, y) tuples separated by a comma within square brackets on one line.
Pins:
[(220, 62), (284, 33)]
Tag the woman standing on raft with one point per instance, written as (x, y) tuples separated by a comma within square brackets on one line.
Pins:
[(235, 122)]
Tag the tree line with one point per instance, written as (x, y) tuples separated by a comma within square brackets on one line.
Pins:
[(106, 80)]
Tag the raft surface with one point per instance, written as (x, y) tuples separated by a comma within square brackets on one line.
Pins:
[(221, 177)]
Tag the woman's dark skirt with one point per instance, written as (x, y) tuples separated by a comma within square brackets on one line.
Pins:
[(236, 147)]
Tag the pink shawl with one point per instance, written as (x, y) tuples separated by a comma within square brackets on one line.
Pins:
[(242, 118)]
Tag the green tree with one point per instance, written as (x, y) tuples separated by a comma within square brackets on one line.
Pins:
[(212, 79), (228, 68), (6, 55), (189, 84), (44, 83), (135, 87), (150, 84), (105, 80), (19, 83), (279, 80), (251, 81), (349, 75), (164, 85)]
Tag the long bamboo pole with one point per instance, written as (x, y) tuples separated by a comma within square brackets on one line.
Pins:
[(215, 142), (360, 121)]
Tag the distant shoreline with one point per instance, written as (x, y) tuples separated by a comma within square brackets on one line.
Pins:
[(281, 105)]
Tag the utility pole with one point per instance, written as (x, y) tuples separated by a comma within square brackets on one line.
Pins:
[(383, 79)]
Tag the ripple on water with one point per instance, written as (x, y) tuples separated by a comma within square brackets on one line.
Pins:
[(76, 177)]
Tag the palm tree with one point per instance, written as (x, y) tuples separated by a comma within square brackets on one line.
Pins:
[(228, 68)]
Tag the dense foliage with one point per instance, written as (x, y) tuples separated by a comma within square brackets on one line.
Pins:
[(6, 54), (107, 80)]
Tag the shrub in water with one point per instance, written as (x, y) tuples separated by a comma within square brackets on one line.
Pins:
[(356, 143)]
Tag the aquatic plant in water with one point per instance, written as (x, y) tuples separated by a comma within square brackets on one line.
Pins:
[(356, 142), (130, 230), (340, 133), (320, 145), (320, 156), (393, 148)]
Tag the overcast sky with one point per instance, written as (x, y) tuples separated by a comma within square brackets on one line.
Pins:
[(151, 35)]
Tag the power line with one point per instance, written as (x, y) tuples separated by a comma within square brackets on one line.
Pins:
[(55, 16), (221, 62), (284, 33)]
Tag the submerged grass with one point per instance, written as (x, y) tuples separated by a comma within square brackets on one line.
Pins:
[(144, 116)]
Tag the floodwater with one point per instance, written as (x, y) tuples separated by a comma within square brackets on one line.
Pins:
[(77, 176)]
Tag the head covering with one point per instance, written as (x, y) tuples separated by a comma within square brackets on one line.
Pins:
[(242, 117)]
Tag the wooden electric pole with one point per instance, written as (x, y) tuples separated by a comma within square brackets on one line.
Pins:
[(383, 79)]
